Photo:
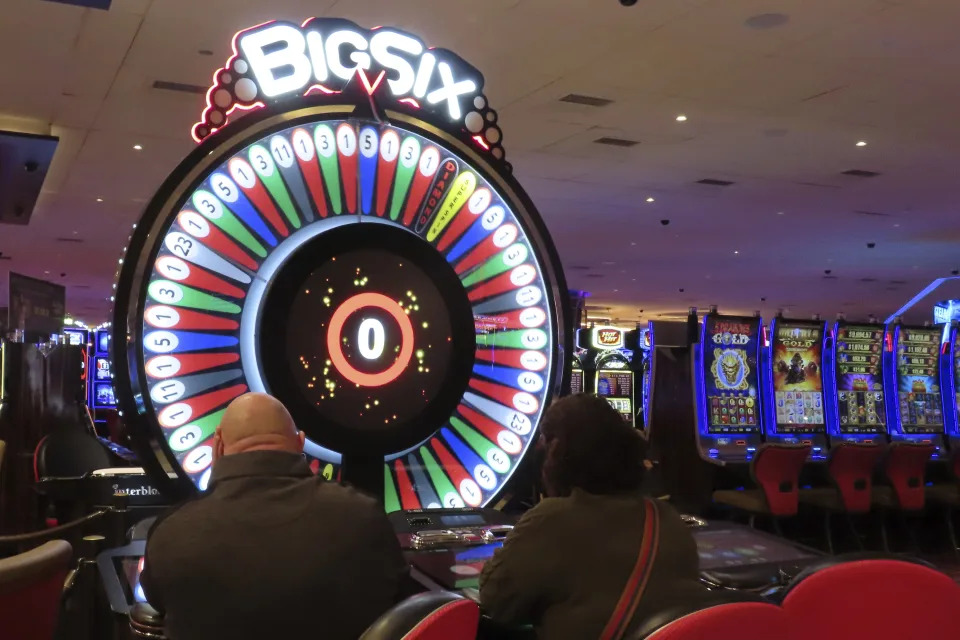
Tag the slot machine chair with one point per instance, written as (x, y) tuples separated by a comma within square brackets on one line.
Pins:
[(740, 620), (434, 615), (903, 469), (875, 599), (31, 586), (850, 466), (67, 453), (947, 495), (775, 469)]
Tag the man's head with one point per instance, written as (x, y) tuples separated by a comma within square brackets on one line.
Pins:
[(256, 422)]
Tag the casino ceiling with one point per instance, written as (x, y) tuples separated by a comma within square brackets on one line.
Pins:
[(770, 200)]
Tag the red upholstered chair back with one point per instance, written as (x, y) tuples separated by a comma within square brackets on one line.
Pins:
[(875, 599), (851, 466), (776, 469), (905, 468), (735, 621), (435, 615), (31, 585)]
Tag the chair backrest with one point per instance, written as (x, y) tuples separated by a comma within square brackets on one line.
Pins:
[(853, 556), (851, 466), (904, 468), (875, 599), (31, 585), (734, 621), (776, 469), (435, 615), (69, 454)]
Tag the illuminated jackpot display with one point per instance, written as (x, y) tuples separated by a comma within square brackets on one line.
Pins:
[(859, 375), (362, 253), (797, 377), (918, 380)]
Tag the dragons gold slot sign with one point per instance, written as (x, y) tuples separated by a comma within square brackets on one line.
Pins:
[(356, 247)]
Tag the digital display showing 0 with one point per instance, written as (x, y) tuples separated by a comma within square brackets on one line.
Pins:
[(369, 339)]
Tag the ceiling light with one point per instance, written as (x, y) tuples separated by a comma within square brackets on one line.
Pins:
[(99, 199), (862, 143), (681, 118), (736, 253), (779, 213), (137, 147), (650, 199)]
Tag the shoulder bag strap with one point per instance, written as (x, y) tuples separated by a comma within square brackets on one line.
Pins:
[(637, 583)]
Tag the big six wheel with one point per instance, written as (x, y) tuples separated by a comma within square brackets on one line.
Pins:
[(389, 283)]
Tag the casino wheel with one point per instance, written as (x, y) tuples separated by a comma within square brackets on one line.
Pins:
[(394, 290)]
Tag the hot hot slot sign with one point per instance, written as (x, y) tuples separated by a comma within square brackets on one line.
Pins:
[(860, 378), (919, 386)]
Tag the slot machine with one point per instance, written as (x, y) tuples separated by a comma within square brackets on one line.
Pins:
[(645, 349), (853, 380), (610, 367), (916, 363), (793, 368), (727, 388), (102, 397), (576, 376), (951, 389)]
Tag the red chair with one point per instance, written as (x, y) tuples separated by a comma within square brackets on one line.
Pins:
[(735, 621), (776, 471), (31, 585), (876, 599), (850, 466), (435, 615), (904, 469)]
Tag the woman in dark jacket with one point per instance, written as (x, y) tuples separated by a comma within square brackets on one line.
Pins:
[(596, 556)]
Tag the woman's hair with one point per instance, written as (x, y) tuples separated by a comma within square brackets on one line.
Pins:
[(588, 445)]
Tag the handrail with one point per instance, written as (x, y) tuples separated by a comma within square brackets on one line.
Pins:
[(53, 532)]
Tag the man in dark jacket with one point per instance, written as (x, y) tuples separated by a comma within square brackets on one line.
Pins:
[(271, 551)]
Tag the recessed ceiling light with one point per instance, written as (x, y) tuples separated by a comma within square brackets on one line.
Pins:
[(736, 253), (633, 244), (650, 199), (780, 213), (137, 147), (99, 199), (861, 143), (896, 224), (681, 118)]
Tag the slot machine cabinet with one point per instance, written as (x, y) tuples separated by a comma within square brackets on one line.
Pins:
[(101, 391), (914, 371), (645, 354), (727, 388), (951, 389), (793, 369), (610, 375), (576, 376), (854, 393)]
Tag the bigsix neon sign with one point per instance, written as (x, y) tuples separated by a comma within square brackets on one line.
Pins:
[(277, 60)]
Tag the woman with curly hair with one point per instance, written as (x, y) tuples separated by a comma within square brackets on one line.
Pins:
[(596, 556)]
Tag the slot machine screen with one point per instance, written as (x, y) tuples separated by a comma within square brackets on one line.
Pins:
[(616, 386), (730, 374), (918, 380), (104, 396), (859, 371), (130, 568), (798, 378), (103, 343)]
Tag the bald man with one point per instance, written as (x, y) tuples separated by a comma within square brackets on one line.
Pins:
[(271, 550)]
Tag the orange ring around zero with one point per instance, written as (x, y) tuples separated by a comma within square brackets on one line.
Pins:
[(344, 311)]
